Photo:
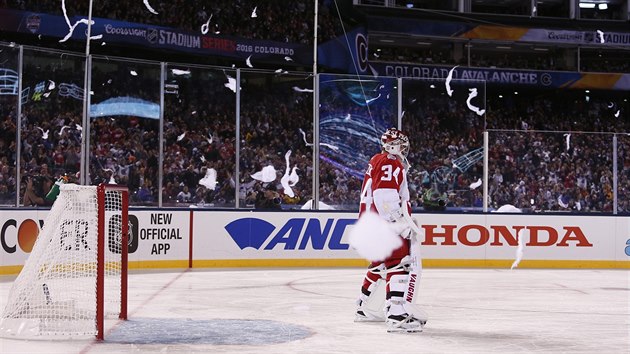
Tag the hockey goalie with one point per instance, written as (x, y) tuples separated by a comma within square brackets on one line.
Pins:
[(391, 282)]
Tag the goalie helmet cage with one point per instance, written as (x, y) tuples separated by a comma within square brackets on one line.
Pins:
[(76, 274)]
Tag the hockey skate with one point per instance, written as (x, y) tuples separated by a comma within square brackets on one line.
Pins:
[(366, 314), (404, 323)]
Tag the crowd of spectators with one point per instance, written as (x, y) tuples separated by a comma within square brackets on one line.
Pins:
[(276, 20), (539, 156), (533, 162)]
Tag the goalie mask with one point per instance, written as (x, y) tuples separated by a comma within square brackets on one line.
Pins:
[(395, 142)]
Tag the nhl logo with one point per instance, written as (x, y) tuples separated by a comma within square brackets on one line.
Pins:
[(33, 22), (152, 35)]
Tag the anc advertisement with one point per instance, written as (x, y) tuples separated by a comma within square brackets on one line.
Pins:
[(206, 238)]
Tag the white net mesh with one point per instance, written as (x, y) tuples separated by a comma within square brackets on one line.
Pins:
[(55, 293)]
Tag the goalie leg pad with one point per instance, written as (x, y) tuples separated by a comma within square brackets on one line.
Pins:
[(400, 318), (370, 302)]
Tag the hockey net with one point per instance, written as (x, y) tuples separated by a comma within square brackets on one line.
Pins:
[(76, 274)]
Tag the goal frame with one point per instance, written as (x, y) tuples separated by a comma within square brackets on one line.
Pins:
[(100, 271)]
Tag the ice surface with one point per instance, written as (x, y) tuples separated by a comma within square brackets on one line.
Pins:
[(312, 311)]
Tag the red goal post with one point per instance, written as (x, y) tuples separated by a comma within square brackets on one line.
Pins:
[(103, 204)]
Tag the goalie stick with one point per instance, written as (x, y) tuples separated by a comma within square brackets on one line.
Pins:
[(414, 268)]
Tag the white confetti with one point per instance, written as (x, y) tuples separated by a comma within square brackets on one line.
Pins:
[(248, 61), (332, 147), (102, 44), (519, 250), (298, 89), (322, 206), (600, 34), (568, 141), (44, 133), (71, 30), (373, 238), (476, 184), (267, 174), (133, 73), (288, 59), (99, 36), (231, 84), (181, 136), (611, 105), (304, 137), (289, 179), (508, 208), (278, 71), (51, 86), (148, 6), (617, 113), (62, 129), (206, 26), (78, 127), (65, 13), (472, 94), (179, 72), (373, 99), (254, 12), (210, 179), (447, 83)]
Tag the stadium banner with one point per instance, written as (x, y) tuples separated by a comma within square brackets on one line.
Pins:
[(498, 33), (156, 37), (531, 78), (541, 35), (161, 238), (348, 53)]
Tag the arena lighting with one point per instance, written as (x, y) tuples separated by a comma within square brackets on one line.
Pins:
[(602, 6), (587, 5)]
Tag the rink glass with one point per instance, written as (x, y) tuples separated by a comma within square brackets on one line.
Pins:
[(446, 139), (198, 113), (199, 134), (52, 111), (9, 64), (125, 126), (275, 108), (353, 114)]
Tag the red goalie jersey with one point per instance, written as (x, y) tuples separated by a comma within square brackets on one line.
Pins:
[(384, 186)]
